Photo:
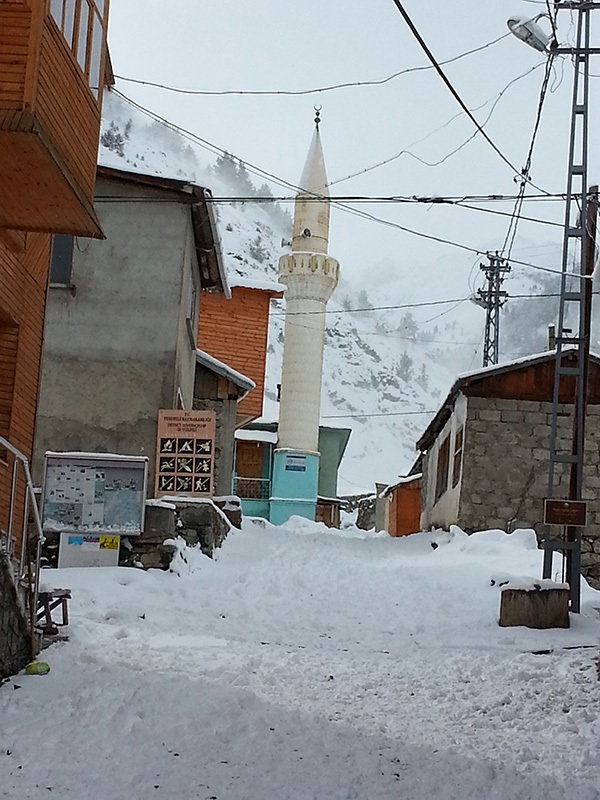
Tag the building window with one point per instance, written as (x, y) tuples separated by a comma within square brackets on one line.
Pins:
[(457, 460), (443, 464), (82, 24), (61, 261)]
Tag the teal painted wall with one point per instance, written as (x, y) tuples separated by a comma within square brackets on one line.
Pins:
[(332, 444), (294, 485)]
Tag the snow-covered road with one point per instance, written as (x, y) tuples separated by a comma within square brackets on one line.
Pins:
[(306, 664)]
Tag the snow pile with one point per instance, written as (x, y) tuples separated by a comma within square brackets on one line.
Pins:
[(304, 663)]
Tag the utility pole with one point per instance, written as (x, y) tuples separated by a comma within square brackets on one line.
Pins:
[(492, 298), (573, 330)]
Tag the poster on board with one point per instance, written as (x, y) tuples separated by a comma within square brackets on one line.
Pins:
[(93, 494), (185, 446)]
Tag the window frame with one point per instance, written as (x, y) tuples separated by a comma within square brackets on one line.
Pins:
[(57, 257), (459, 443), (87, 51), (442, 468)]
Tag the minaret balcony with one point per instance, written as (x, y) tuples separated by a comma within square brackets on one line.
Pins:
[(309, 264)]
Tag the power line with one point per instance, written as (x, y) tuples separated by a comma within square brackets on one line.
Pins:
[(401, 306), (511, 233), (347, 198), (453, 91), (381, 414), (407, 152), (257, 170), (319, 90), (371, 308)]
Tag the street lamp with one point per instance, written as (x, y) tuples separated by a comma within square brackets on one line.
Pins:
[(528, 31)]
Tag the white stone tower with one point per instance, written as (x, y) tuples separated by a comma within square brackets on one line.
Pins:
[(310, 276)]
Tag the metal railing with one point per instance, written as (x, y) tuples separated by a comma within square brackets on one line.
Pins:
[(29, 565), (252, 488)]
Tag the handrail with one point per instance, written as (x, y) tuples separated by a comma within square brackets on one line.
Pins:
[(32, 573), (251, 488)]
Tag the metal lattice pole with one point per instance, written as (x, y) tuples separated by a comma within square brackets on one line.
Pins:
[(492, 298), (570, 376)]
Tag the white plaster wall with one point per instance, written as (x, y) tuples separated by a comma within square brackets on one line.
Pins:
[(310, 280), (444, 512)]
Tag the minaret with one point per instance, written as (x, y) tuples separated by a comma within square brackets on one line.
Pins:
[(310, 276)]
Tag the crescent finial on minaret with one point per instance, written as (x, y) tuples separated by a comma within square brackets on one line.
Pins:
[(318, 115)]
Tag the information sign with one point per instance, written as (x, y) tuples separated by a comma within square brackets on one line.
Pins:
[(94, 494), (185, 453), (565, 512)]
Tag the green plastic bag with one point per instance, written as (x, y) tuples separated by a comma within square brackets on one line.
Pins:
[(37, 668)]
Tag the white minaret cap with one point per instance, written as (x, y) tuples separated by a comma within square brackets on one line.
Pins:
[(310, 232), (314, 175)]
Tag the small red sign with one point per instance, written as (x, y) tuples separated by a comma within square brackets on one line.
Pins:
[(565, 512)]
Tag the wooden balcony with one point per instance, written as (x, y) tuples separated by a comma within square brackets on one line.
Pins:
[(52, 55)]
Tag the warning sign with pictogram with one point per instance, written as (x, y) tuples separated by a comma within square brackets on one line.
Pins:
[(185, 453)]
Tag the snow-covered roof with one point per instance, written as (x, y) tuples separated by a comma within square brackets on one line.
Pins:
[(82, 454), (265, 286), (464, 380), (403, 480), (213, 364), (256, 436)]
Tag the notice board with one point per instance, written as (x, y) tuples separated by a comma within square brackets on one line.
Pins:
[(185, 447), (93, 494)]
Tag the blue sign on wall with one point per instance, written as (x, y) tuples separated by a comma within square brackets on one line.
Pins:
[(295, 463)]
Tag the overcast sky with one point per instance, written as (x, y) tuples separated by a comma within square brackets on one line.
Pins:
[(291, 45)]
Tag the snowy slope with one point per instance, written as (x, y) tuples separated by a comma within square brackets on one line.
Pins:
[(309, 663), (386, 370)]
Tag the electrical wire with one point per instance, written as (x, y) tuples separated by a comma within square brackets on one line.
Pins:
[(349, 198), (511, 233), (319, 90), (454, 92), (371, 308), (356, 415), (496, 99), (348, 209), (402, 306), (552, 17)]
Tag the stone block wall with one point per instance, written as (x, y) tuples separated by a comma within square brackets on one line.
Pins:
[(15, 650), (505, 469)]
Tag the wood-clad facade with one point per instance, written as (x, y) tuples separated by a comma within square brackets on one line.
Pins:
[(52, 67), (401, 507), (52, 57), (235, 331)]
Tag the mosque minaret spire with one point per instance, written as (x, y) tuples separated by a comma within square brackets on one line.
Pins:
[(310, 276)]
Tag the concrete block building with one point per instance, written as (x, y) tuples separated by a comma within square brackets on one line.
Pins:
[(486, 452), (122, 319)]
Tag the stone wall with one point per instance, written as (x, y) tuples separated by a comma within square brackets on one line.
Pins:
[(225, 414), (505, 469), (15, 650)]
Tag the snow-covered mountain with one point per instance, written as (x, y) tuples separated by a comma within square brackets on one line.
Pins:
[(392, 349)]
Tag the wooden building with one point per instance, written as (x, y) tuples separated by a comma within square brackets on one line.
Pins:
[(398, 507), (235, 331), (53, 67), (486, 451)]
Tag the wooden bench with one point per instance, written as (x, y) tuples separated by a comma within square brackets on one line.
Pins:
[(47, 603)]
